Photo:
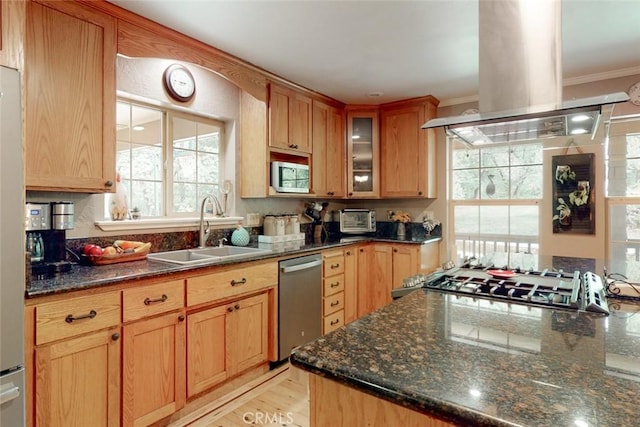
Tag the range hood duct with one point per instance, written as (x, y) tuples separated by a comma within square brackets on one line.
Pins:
[(520, 76)]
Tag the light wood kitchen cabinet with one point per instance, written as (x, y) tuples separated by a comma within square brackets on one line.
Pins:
[(77, 361), (363, 154), (430, 257), (225, 340), (405, 262), (78, 381), (153, 360), (407, 159), (289, 119), (70, 98), (333, 286), (12, 33), (381, 268), (328, 159), (254, 164)]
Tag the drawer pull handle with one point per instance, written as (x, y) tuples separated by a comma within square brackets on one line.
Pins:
[(334, 266), (239, 282), (149, 301), (333, 304), (335, 322), (335, 284), (90, 315)]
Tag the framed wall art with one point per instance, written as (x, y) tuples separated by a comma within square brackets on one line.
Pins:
[(573, 194)]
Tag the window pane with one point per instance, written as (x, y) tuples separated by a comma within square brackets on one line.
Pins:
[(147, 197), (463, 158), (184, 197), (494, 219), (184, 166), (624, 228), (495, 156), (146, 162), (465, 184), (207, 167), (526, 182), (208, 138), (466, 219), (523, 220), (184, 133), (493, 184), (526, 154)]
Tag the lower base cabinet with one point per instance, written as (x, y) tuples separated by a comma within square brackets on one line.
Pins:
[(153, 382), (78, 381), (225, 340)]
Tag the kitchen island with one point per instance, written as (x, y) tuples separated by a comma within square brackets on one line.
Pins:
[(431, 358)]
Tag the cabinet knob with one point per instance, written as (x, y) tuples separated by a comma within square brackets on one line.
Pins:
[(348, 252), (330, 193), (181, 318), (419, 193), (395, 250), (109, 183), (115, 337), (295, 146), (361, 250), (229, 309), (350, 194), (237, 306)]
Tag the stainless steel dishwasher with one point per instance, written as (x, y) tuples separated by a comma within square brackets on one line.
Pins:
[(299, 302)]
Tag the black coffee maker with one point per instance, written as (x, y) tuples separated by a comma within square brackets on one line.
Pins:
[(46, 225)]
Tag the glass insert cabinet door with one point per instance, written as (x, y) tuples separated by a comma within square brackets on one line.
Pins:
[(363, 154)]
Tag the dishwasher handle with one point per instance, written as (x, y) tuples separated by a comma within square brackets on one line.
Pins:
[(300, 267)]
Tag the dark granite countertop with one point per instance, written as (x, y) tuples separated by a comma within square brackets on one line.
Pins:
[(476, 362), (86, 276)]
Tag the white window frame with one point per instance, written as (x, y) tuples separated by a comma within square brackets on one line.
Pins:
[(168, 219), (478, 247)]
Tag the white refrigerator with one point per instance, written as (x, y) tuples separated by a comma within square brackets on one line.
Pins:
[(12, 253)]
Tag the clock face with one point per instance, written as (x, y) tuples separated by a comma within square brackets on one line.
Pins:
[(179, 82), (634, 94)]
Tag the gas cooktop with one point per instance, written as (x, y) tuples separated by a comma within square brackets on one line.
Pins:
[(570, 291)]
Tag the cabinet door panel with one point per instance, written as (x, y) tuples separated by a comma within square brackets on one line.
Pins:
[(206, 355), (70, 98), (153, 369), (406, 263), (247, 328), (78, 381)]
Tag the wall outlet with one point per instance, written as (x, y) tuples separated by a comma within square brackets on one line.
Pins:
[(390, 214), (253, 219)]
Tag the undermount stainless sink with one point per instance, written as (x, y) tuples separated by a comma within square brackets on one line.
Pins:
[(209, 255)]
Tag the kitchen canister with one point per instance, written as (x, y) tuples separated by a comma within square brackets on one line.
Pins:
[(269, 225), (292, 226), (240, 236), (279, 226)]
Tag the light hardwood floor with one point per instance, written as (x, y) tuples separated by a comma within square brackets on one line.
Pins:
[(278, 398)]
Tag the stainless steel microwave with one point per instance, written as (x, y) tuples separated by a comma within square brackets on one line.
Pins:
[(357, 221), (290, 177)]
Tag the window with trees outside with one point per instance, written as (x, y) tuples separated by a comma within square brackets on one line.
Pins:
[(167, 161), (495, 190), (623, 196)]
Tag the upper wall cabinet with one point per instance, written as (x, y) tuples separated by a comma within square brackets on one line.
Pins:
[(289, 120), (328, 159), (407, 157), (70, 97), (363, 151), (11, 33)]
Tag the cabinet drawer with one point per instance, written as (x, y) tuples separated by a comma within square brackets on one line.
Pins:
[(152, 299), (333, 303), (76, 316), (333, 321), (225, 284), (332, 285), (333, 263)]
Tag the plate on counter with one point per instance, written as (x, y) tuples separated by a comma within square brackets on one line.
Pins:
[(501, 274)]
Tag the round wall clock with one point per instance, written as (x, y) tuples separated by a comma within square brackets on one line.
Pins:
[(634, 94), (179, 82)]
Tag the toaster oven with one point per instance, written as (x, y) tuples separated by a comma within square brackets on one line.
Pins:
[(357, 221)]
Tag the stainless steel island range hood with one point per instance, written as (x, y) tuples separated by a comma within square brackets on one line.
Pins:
[(520, 76)]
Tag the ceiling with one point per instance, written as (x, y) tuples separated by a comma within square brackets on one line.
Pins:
[(349, 50)]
